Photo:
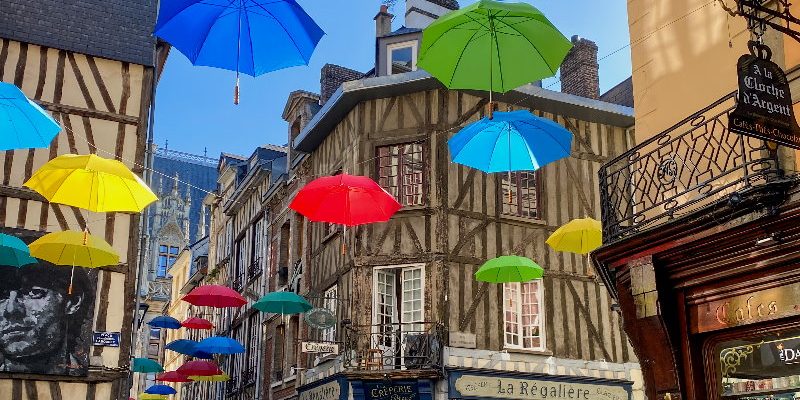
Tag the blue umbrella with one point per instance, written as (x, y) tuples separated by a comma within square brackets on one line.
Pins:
[(249, 36), (189, 348), (14, 252), (220, 345), (23, 123), (165, 321), (511, 141), (160, 389)]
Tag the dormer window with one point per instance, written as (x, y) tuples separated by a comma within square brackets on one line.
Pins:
[(402, 57)]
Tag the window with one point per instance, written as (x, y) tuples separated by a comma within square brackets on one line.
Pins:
[(522, 315), (402, 57), (228, 238), (329, 302), (520, 194), (401, 172), (330, 229), (294, 334), (166, 257), (235, 366), (239, 263), (155, 333), (253, 345), (405, 306), (277, 353), (256, 249)]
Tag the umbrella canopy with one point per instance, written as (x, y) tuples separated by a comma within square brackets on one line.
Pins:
[(91, 182), (164, 321), (214, 296), (146, 365), (492, 45), (282, 303), (24, 124), (219, 345), (221, 377), (172, 376), (14, 252), (197, 323), (187, 347), (579, 236), (199, 368), (74, 248), (149, 396), (511, 141), (160, 389), (345, 200), (509, 269)]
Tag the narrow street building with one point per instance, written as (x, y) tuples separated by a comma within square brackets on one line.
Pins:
[(98, 86)]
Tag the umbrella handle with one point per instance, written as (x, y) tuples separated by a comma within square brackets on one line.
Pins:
[(72, 275), (236, 91), (344, 239)]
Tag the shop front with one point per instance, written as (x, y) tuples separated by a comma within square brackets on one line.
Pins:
[(341, 387), (477, 385)]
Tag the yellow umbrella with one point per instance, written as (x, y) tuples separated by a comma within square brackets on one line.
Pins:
[(75, 249), (147, 396), (579, 236), (91, 182), (213, 378)]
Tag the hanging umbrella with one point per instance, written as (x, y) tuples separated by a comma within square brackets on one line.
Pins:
[(172, 376), (91, 182), (221, 377), (492, 45), (511, 141), (164, 321), (160, 389), (219, 345), (199, 368), (509, 269), (72, 248), (345, 200), (146, 365), (248, 36), (197, 323), (24, 124), (14, 252), (187, 347), (214, 296), (148, 396), (579, 236), (282, 303)]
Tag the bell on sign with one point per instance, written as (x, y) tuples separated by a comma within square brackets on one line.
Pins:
[(764, 108)]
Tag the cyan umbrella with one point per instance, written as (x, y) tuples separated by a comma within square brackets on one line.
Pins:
[(164, 321), (219, 345), (282, 303), (13, 251), (249, 36), (509, 269), (146, 365), (23, 124), (160, 389), (511, 141), (187, 347)]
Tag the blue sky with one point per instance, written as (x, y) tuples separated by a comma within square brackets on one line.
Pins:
[(194, 105)]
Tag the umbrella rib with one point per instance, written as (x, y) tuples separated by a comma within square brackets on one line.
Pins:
[(36, 128), (532, 45), (460, 56), (285, 31), (568, 151), (456, 27), (210, 27), (192, 5), (250, 39)]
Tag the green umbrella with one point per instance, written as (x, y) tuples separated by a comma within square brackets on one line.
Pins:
[(14, 252), (282, 303), (492, 45), (509, 269), (146, 365)]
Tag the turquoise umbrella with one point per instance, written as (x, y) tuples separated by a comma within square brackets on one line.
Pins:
[(282, 303), (14, 252), (23, 124), (146, 365)]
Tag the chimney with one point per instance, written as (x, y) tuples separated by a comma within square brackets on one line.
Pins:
[(420, 13), (383, 22), (331, 77), (580, 71)]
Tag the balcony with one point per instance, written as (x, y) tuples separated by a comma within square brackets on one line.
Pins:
[(254, 270), (385, 347), (695, 165)]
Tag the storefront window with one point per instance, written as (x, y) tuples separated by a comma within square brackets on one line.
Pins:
[(762, 368)]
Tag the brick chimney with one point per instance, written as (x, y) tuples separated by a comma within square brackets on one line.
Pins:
[(420, 13), (383, 22), (579, 71), (331, 77)]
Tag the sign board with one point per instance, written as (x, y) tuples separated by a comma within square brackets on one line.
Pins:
[(320, 347), (510, 388), (764, 109), (108, 339), (382, 390), (463, 339), (762, 305), (328, 391)]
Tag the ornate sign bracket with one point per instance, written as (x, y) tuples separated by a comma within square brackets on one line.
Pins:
[(761, 14)]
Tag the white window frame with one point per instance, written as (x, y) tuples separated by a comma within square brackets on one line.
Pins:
[(330, 301), (397, 318), (518, 311), (413, 44)]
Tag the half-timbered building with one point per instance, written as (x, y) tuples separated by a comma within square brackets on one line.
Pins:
[(91, 65)]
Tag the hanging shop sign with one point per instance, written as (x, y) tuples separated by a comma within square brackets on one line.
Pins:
[(320, 347), (764, 109), (498, 387), (383, 390), (108, 339), (751, 308)]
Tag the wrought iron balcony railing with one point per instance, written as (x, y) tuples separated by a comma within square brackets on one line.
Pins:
[(397, 346), (254, 270), (237, 283), (690, 166)]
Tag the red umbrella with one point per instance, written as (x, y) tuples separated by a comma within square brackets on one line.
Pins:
[(173, 376), (346, 200), (199, 368), (197, 323), (214, 296)]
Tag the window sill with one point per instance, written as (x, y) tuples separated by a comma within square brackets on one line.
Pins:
[(290, 379), (528, 351), (412, 208), (527, 220)]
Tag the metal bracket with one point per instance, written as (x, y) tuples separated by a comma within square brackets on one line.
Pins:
[(760, 14)]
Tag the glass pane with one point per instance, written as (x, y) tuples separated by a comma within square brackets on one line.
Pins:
[(768, 366), (162, 249), (402, 60), (173, 250)]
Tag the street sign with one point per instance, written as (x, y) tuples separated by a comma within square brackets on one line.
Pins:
[(320, 347), (108, 339)]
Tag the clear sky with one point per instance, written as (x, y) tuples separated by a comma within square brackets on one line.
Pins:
[(194, 105)]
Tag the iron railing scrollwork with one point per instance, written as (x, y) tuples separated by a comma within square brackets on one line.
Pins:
[(237, 283), (691, 165), (398, 346), (254, 269)]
